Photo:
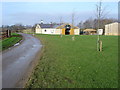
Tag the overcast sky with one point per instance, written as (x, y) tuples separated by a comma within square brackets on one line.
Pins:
[(29, 13)]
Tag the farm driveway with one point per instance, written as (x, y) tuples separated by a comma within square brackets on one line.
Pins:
[(18, 62)]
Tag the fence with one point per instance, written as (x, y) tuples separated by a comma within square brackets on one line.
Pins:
[(5, 34)]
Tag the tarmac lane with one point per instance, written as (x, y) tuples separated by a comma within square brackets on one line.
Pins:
[(17, 61)]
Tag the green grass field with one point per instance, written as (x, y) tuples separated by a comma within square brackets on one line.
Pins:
[(76, 64), (8, 42)]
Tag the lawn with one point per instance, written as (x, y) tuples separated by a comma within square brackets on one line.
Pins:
[(76, 64), (8, 42)]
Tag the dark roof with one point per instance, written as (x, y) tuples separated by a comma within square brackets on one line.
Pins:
[(63, 26), (48, 25), (55, 26)]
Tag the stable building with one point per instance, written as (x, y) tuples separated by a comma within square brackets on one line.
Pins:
[(64, 29), (112, 29), (69, 29)]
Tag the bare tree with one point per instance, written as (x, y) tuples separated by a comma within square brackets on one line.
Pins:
[(73, 18), (80, 25), (100, 14), (60, 24), (89, 23)]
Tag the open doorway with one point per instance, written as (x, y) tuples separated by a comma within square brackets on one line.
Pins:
[(67, 29)]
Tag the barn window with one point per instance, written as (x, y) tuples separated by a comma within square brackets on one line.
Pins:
[(45, 30)]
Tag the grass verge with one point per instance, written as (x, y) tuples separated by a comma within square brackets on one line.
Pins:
[(8, 42), (76, 64)]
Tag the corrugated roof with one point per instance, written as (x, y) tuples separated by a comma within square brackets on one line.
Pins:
[(55, 26), (48, 25)]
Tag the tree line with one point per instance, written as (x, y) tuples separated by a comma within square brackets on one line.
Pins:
[(93, 23), (16, 27)]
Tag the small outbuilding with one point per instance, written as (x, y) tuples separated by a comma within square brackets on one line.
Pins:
[(90, 31)]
